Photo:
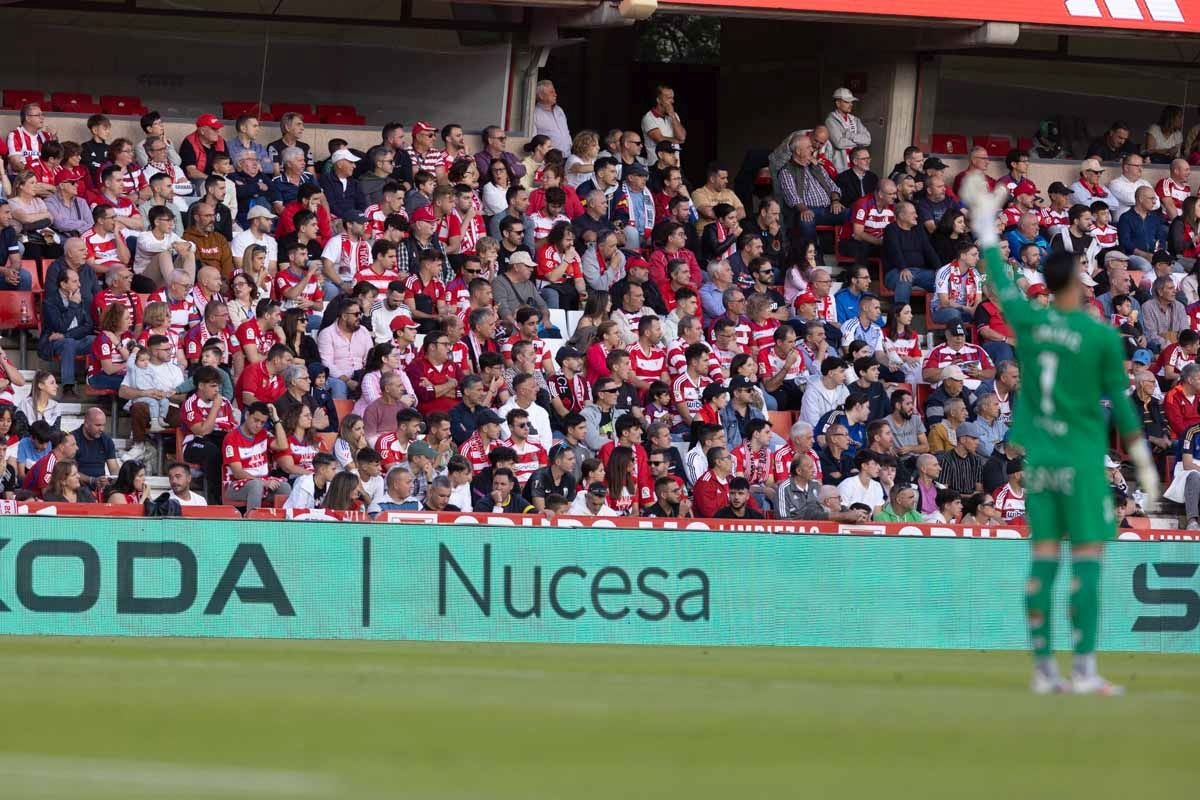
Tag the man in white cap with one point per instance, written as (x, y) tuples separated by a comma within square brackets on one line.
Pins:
[(258, 231), (1088, 188), (846, 131), (342, 191)]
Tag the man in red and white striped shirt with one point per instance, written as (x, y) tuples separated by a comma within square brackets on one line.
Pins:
[(483, 441), (120, 290), (646, 356), (392, 202), (246, 458), (800, 441), (424, 155), (177, 294), (1174, 189), (531, 456), (528, 319), (688, 388), (868, 219), (106, 248), (691, 332), (25, 143), (1010, 498), (382, 269)]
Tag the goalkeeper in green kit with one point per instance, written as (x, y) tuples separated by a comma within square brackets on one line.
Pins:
[(1070, 362)]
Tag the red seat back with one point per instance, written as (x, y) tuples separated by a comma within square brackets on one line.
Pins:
[(14, 306), (950, 144), (122, 105), (74, 103), (303, 109), (996, 146), (15, 98), (232, 109)]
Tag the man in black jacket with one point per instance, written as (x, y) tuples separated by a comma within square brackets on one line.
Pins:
[(908, 256), (66, 328)]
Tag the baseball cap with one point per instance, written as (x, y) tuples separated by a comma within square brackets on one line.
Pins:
[(1162, 257), (597, 489), (667, 147), (740, 382), (806, 297), (1142, 356), (354, 215), (64, 177), (485, 416), (209, 121), (1024, 187), (1018, 465), (1110, 462), (402, 321), (1091, 165), (1086, 280), (1058, 187), (933, 162), (956, 329), (343, 155), (420, 448), (713, 390), (1037, 290), (953, 373), (521, 257), (565, 352), (424, 214), (842, 93), (971, 429), (1115, 255), (635, 169), (423, 127), (636, 262), (260, 212)]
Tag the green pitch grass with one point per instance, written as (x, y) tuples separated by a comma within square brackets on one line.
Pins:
[(192, 719)]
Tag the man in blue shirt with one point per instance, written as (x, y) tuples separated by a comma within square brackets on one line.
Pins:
[(12, 276), (847, 298), (1027, 232), (1142, 230)]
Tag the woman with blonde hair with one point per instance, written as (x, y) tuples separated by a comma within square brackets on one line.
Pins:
[(585, 147)]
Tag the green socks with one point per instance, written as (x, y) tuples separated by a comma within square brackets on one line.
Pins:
[(1038, 596), (1085, 604)]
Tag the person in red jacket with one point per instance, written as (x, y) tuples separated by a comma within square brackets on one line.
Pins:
[(434, 377), (711, 492), (1182, 403)]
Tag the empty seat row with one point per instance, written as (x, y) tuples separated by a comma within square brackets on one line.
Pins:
[(955, 144), (127, 105)]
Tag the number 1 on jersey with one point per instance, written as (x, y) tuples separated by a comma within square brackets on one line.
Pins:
[(1048, 369)]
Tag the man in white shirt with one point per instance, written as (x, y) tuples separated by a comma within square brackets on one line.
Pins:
[(309, 490), (258, 232), (1124, 187), (661, 124), (179, 475), (549, 119), (826, 394), (525, 398), (864, 487), (592, 503)]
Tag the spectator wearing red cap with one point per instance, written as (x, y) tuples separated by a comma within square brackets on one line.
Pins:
[(427, 157), (421, 237), (1038, 294), (70, 214), (198, 147), (291, 126), (1024, 200)]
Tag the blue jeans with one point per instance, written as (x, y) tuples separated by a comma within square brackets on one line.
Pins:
[(923, 278), (106, 381), (338, 387), (821, 216), (24, 283), (948, 316), (67, 350), (999, 351)]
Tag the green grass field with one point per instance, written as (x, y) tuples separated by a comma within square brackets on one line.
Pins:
[(191, 719)]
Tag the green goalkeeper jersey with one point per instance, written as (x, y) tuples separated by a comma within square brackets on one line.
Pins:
[(1070, 362)]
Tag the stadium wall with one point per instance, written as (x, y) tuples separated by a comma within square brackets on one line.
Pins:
[(180, 577)]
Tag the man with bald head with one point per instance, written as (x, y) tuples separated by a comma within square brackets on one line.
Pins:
[(1142, 229), (74, 257), (212, 249), (870, 217), (97, 451), (1173, 189)]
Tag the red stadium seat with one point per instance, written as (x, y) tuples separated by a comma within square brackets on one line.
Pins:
[(122, 105), (232, 109), (951, 144), (339, 115), (781, 422), (325, 441), (1025, 143), (303, 109), (343, 408), (14, 306), (74, 103), (31, 266), (15, 98), (997, 146)]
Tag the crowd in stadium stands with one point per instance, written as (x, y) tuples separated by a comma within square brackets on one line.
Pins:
[(267, 308)]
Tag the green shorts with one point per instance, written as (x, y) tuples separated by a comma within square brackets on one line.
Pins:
[(1064, 502)]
